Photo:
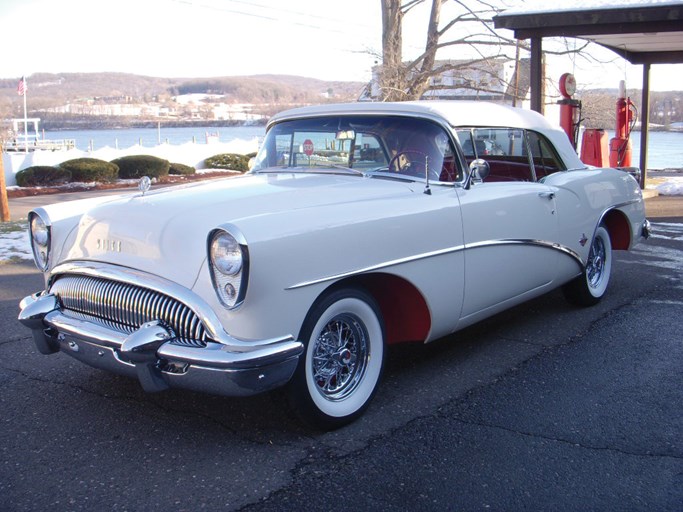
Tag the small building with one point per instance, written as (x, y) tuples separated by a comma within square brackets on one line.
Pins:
[(495, 79)]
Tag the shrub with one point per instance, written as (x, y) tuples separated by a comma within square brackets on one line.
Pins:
[(137, 166), (177, 168), (230, 161), (42, 176), (91, 169)]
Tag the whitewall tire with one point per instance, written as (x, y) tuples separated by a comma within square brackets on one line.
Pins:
[(341, 366), (591, 285)]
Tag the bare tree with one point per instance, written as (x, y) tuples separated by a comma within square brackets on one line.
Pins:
[(401, 80)]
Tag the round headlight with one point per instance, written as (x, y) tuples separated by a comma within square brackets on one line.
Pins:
[(40, 240), (226, 254), (39, 231)]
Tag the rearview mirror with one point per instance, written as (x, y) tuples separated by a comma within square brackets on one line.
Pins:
[(479, 169), (346, 135)]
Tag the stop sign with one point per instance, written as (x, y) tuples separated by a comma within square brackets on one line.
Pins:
[(308, 147)]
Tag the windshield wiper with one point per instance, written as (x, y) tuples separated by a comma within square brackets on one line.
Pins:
[(347, 169), (329, 168)]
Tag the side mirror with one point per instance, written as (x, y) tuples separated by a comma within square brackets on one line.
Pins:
[(479, 169)]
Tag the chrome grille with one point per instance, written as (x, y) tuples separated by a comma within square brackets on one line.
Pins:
[(125, 307)]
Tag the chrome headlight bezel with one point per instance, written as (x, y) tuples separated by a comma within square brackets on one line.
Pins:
[(40, 235), (228, 261)]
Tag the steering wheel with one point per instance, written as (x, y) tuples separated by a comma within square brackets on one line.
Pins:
[(412, 162)]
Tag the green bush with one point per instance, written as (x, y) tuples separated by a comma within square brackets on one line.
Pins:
[(91, 169), (42, 176), (230, 161), (137, 166), (183, 169)]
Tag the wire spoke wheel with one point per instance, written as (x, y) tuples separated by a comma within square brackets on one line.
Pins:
[(339, 371), (595, 267), (340, 356), (589, 288)]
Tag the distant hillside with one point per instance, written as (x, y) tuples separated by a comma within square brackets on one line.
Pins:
[(599, 107), (270, 93), (47, 90)]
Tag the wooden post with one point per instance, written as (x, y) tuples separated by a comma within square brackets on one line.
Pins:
[(536, 72), (4, 203)]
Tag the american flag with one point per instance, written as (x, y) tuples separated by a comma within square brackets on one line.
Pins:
[(21, 88)]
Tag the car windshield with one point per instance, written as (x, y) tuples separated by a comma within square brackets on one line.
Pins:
[(369, 145)]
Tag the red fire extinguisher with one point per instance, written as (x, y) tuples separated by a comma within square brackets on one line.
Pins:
[(620, 146), (570, 109)]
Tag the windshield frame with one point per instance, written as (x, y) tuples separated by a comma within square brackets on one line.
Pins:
[(368, 125)]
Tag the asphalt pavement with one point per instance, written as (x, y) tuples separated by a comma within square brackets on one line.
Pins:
[(543, 407)]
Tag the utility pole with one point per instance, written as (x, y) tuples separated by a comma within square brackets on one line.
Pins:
[(4, 203)]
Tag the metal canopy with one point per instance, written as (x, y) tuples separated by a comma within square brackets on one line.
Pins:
[(642, 32)]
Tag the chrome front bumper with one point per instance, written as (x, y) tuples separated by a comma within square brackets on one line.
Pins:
[(232, 367)]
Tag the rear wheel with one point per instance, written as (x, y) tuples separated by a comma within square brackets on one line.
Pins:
[(591, 285), (338, 372)]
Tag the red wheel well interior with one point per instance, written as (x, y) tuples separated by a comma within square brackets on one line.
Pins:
[(618, 228), (405, 312)]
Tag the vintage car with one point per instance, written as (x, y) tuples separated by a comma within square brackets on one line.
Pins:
[(359, 226)]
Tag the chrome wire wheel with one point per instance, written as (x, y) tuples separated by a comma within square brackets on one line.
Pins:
[(340, 357), (338, 373), (597, 258), (589, 288)]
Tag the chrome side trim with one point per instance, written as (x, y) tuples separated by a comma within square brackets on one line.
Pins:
[(378, 266), (538, 243), (408, 259), (616, 207), (609, 209)]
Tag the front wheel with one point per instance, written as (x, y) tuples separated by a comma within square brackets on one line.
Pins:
[(591, 285), (338, 372)]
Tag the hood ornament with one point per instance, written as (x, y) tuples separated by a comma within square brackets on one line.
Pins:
[(583, 240), (144, 184)]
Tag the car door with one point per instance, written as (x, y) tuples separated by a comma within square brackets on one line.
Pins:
[(509, 225)]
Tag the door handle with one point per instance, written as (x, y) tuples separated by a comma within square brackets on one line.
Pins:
[(547, 195)]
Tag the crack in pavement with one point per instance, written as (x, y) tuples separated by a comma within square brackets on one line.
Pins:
[(564, 441), (14, 340), (244, 436)]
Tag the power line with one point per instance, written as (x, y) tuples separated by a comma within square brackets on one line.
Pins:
[(265, 17)]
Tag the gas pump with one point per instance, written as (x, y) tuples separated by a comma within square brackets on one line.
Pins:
[(620, 145), (570, 109)]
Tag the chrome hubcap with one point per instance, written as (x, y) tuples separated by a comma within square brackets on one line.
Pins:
[(340, 357), (596, 263)]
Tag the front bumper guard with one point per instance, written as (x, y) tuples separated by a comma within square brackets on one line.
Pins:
[(646, 229), (238, 369)]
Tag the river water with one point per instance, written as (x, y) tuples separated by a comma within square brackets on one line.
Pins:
[(149, 137), (665, 148)]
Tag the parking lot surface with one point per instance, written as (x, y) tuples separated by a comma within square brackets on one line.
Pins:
[(543, 407)]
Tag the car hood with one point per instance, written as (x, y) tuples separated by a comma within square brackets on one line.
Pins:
[(164, 232)]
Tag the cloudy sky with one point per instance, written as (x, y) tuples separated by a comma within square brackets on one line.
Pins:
[(326, 39)]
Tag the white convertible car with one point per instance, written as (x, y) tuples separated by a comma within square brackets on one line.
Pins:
[(359, 226)]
